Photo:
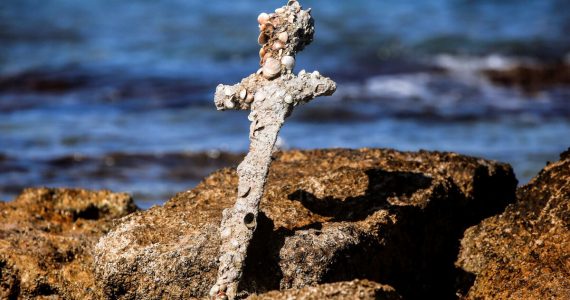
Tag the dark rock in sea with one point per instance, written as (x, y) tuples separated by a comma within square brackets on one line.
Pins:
[(357, 289), (532, 79), (45, 240), (524, 253), (327, 216), (47, 81)]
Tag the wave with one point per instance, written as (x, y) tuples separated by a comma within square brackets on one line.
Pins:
[(465, 88)]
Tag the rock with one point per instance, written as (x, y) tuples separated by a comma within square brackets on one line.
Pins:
[(524, 253), (357, 289), (327, 216), (45, 241), (532, 78)]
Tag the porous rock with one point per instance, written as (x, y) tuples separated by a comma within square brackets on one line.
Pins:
[(327, 216), (356, 289), (45, 239), (524, 253)]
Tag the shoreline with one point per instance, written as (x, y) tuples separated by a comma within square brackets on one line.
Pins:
[(151, 178)]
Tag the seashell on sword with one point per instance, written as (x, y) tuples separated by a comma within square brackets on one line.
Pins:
[(262, 39), (278, 45), (288, 62), (271, 68), (283, 36), (262, 18)]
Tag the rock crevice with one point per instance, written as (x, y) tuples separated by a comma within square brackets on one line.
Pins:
[(524, 253)]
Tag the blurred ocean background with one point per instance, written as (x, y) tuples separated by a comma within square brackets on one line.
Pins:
[(119, 94)]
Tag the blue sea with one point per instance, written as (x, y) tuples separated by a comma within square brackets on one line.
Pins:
[(118, 95)]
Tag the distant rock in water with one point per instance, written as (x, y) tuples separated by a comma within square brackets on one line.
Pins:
[(327, 216), (532, 79), (45, 241), (524, 253)]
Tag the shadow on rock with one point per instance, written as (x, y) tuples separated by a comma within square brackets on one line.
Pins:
[(418, 254), (262, 271), (381, 186), (415, 254)]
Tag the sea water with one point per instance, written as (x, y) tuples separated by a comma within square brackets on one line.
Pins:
[(119, 94)]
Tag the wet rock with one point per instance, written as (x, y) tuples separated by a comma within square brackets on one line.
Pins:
[(524, 253), (327, 216), (52, 81), (357, 289), (532, 79), (45, 241)]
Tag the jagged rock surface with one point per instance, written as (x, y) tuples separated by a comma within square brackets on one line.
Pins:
[(524, 253), (356, 289), (45, 238), (327, 216)]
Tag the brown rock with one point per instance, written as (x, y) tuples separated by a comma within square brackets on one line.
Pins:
[(45, 238), (357, 289), (524, 253), (532, 78), (327, 216)]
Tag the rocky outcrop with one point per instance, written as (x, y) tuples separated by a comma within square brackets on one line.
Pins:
[(357, 289), (327, 216), (524, 253), (45, 239)]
